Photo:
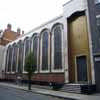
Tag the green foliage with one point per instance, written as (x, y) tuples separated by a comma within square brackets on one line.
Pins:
[(30, 67), (30, 64)]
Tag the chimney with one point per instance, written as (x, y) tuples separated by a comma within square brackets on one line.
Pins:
[(9, 27), (18, 31)]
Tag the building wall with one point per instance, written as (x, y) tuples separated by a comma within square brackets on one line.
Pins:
[(69, 9), (27, 40)]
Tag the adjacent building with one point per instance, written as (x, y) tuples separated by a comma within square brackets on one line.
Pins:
[(8, 35)]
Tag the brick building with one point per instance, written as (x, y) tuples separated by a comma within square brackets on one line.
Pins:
[(8, 35)]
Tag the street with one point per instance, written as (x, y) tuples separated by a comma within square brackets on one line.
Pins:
[(7, 93)]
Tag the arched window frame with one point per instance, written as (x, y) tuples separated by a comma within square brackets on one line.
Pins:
[(20, 49), (52, 47), (13, 55), (35, 35), (24, 55), (17, 58), (7, 58), (41, 39), (10, 59)]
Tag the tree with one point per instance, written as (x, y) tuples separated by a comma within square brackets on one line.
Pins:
[(30, 67)]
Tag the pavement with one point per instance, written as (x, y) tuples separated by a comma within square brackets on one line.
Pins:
[(65, 95), (8, 93)]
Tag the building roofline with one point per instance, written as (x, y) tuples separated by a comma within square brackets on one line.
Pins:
[(56, 18), (21, 36), (67, 2)]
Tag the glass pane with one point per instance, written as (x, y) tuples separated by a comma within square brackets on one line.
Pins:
[(27, 48), (57, 48), (35, 49), (10, 59), (20, 58), (14, 63), (45, 50), (7, 56), (98, 24)]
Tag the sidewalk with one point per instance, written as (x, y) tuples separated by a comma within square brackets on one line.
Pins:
[(55, 93)]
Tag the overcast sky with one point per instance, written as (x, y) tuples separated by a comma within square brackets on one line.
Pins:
[(28, 14)]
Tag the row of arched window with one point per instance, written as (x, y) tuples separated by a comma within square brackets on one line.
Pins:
[(46, 47)]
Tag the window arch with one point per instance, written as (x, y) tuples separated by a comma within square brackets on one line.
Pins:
[(44, 49), (14, 60), (57, 32), (10, 59), (27, 45), (20, 56), (35, 49), (7, 58)]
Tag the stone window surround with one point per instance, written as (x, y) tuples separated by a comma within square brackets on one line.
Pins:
[(35, 36), (27, 38), (7, 56), (46, 71), (39, 57), (10, 60), (52, 54)]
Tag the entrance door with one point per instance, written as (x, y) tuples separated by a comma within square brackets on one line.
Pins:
[(81, 63), (78, 44)]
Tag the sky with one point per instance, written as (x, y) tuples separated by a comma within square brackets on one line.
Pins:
[(28, 14)]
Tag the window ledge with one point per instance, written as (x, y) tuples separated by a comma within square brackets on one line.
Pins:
[(47, 71), (57, 71)]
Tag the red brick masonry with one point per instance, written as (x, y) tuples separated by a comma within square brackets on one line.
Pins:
[(42, 77), (54, 77)]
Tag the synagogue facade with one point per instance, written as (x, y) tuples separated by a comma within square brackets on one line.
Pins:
[(65, 48)]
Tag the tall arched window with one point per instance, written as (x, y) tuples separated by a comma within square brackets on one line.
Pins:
[(35, 50), (7, 57), (20, 56), (44, 38), (57, 46), (27, 47), (14, 60), (10, 59)]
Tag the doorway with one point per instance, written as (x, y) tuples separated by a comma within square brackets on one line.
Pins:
[(81, 63), (78, 49)]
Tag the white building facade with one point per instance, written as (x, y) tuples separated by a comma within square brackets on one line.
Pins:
[(62, 48)]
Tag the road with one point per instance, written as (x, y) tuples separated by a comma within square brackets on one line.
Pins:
[(7, 93)]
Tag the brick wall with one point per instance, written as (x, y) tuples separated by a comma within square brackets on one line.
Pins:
[(41, 77)]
